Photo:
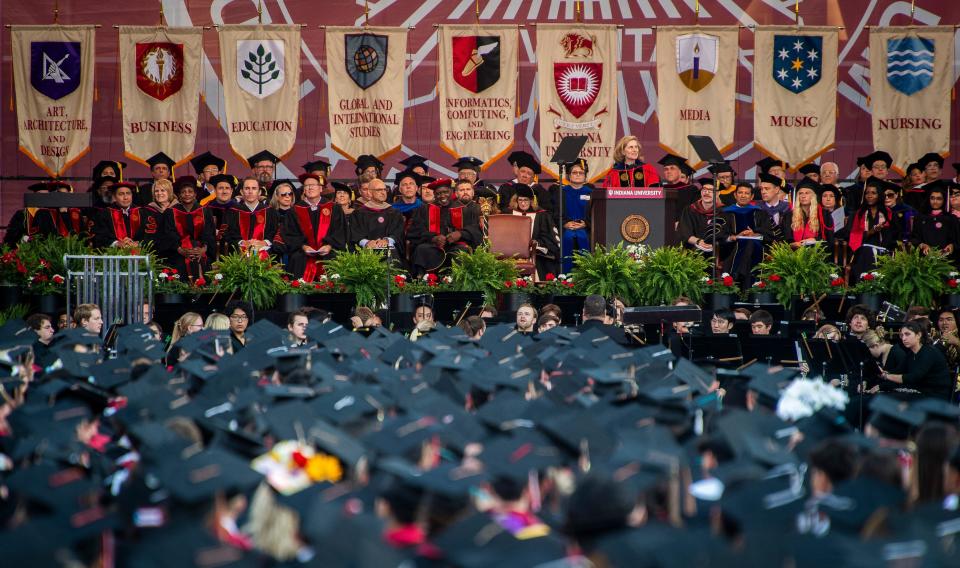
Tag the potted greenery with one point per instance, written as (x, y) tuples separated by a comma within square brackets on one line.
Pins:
[(609, 272), (792, 273), (404, 288), (364, 273), (668, 273), (869, 290), (951, 298), (254, 278), (12, 276), (912, 278), (515, 293), (16, 311), (721, 292), (481, 271), (45, 276)]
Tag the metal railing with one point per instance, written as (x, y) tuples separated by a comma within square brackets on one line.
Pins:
[(120, 285)]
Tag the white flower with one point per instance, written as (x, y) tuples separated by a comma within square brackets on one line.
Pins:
[(218, 276), (176, 277), (804, 397), (704, 279), (834, 276), (402, 276), (724, 275), (334, 277), (953, 274), (447, 279)]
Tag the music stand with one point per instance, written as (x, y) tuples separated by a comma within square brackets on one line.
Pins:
[(568, 151), (708, 152)]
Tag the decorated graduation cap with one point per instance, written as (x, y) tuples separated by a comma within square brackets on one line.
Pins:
[(768, 162), (262, 156), (207, 159), (365, 161), (415, 161), (522, 159), (468, 163), (808, 169), (929, 158), (878, 156), (117, 168), (768, 178), (221, 178)]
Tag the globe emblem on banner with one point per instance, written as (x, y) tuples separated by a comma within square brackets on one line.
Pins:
[(366, 58), (578, 85), (159, 69)]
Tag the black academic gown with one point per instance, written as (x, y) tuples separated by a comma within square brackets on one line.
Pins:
[(115, 224), (216, 216), (194, 229), (694, 223), (936, 231), (886, 235), (371, 224), (314, 226), (544, 197), (686, 193), (37, 223), (432, 220), (262, 223), (743, 255), (160, 230)]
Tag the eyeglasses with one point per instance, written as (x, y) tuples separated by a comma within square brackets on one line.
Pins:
[(889, 195), (238, 317), (311, 186), (288, 194)]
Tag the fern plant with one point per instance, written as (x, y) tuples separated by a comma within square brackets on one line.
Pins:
[(790, 272), (255, 279), (912, 278), (481, 271), (14, 312), (608, 272), (364, 272), (670, 272)]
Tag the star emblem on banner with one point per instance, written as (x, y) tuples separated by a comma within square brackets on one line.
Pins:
[(797, 61)]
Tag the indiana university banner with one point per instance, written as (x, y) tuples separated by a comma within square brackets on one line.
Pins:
[(365, 73), (695, 94), (53, 76), (577, 70), (160, 85), (911, 77), (261, 86), (478, 90), (795, 92)]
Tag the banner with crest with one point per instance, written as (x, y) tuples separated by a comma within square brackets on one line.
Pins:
[(693, 95), (478, 90), (795, 92), (261, 86), (911, 78), (53, 78), (577, 85), (367, 81), (160, 85)]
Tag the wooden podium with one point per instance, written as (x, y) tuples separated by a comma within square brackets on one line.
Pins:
[(631, 215)]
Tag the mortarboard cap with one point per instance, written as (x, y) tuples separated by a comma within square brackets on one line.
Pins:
[(315, 166), (721, 168), (878, 156), (408, 173), (705, 182), (104, 164), (468, 163), (442, 182), (207, 159), (523, 190), (225, 178), (937, 409), (913, 166), (882, 185), (414, 161), (894, 419), (341, 187), (365, 161), (161, 158), (672, 160), (807, 183), (184, 181), (768, 162), (201, 476), (776, 181), (525, 160), (808, 169), (264, 155), (127, 184), (599, 504)]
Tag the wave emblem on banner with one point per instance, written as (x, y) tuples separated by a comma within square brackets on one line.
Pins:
[(910, 63)]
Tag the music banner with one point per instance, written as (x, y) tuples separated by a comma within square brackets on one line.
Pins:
[(53, 78), (693, 95), (478, 90), (911, 78), (261, 86), (160, 86), (367, 82), (795, 92), (577, 85)]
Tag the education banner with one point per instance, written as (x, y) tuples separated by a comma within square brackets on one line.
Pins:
[(53, 78), (577, 73), (366, 78), (160, 88), (795, 92), (695, 93), (911, 78), (261, 87), (477, 90)]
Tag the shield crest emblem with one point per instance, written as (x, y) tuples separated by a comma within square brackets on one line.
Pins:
[(55, 67), (260, 66), (476, 62), (697, 57), (365, 57), (797, 61), (910, 63), (578, 85), (160, 68)]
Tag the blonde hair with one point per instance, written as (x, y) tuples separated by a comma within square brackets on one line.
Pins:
[(622, 144), (274, 528), (218, 322), (799, 217), (826, 329), (275, 199), (163, 184), (181, 329), (84, 312), (872, 336)]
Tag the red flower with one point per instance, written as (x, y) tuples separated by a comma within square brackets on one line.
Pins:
[(728, 280), (401, 284), (200, 281), (762, 285), (868, 276), (399, 280), (507, 284), (521, 283), (44, 263), (21, 268), (317, 286), (774, 278), (709, 282), (550, 277), (568, 284), (57, 279), (330, 284), (173, 270), (299, 458), (952, 283), (431, 277), (134, 252), (432, 283), (295, 284), (837, 282)]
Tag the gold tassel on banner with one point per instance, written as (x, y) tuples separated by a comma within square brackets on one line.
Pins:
[(11, 88)]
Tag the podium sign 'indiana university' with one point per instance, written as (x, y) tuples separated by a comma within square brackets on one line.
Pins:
[(160, 83), (795, 92), (478, 89), (911, 77), (365, 74), (261, 86), (577, 73), (696, 93), (53, 77)]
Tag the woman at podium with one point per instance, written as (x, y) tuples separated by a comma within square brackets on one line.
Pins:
[(575, 216), (628, 169)]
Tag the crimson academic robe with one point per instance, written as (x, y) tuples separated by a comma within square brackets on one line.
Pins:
[(115, 224), (262, 224), (193, 230), (432, 220), (325, 224), (40, 222), (639, 175), (216, 216)]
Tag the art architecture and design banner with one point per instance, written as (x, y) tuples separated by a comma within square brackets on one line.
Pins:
[(261, 86), (367, 82), (160, 82), (911, 77), (795, 92), (53, 76), (577, 85), (697, 93), (477, 90)]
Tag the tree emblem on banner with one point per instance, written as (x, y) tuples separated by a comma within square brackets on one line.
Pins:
[(260, 66), (476, 62), (55, 67), (365, 58), (697, 57), (797, 61), (910, 63), (160, 68), (578, 85)]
